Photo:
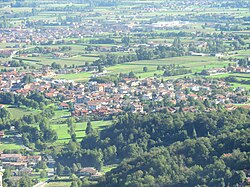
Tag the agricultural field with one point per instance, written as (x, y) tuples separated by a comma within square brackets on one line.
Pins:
[(195, 63)]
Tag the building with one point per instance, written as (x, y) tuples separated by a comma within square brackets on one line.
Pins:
[(88, 171), (1, 179), (1, 134)]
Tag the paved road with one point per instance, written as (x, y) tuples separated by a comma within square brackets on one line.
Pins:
[(41, 184)]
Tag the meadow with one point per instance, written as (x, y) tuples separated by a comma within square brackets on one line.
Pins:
[(10, 146), (58, 123), (78, 77), (195, 63), (58, 184), (17, 113)]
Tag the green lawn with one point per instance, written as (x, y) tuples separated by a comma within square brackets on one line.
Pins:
[(64, 137), (17, 113), (240, 76), (7, 146), (108, 168), (195, 63), (58, 184), (76, 77), (48, 60)]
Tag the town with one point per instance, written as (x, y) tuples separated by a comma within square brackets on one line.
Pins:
[(120, 93)]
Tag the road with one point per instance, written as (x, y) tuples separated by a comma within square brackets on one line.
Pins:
[(41, 184), (15, 52)]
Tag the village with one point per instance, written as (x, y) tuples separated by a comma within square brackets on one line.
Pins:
[(88, 85), (128, 95)]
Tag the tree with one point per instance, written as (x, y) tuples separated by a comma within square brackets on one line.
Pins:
[(28, 78), (71, 130), (43, 174), (89, 128), (4, 114), (67, 170), (145, 69), (7, 173), (238, 177), (74, 168), (131, 75), (100, 69), (60, 169), (41, 165), (25, 181), (126, 40), (56, 65)]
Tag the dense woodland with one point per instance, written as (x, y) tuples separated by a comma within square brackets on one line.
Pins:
[(181, 149)]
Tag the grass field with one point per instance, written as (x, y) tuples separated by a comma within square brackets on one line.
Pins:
[(239, 76), (58, 184), (108, 168), (76, 77), (236, 85), (64, 137), (17, 113), (195, 63), (76, 60), (10, 146)]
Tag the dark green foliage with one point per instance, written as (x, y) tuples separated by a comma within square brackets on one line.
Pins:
[(89, 129), (28, 78), (161, 149)]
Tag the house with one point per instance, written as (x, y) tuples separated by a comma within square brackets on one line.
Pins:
[(10, 157), (147, 96), (88, 171), (16, 165), (24, 171), (33, 159), (136, 108), (220, 99), (63, 106), (1, 134), (192, 95)]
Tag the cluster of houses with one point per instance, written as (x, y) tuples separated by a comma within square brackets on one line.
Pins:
[(24, 165), (130, 94), (214, 71), (20, 163)]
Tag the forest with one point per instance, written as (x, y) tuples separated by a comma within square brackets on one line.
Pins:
[(164, 149)]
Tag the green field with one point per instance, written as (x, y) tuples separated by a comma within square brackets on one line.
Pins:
[(236, 85), (239, 76), (64, 137), (108, 168), (78, 77), (17, 113), (195, 63), (58, 184), (7, 146)]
